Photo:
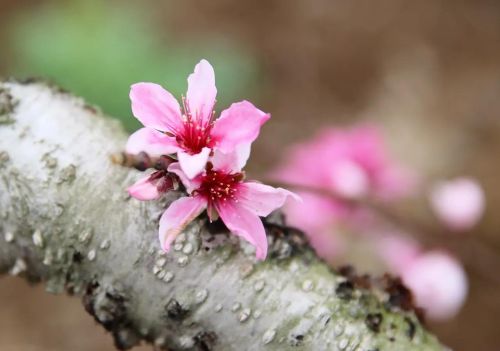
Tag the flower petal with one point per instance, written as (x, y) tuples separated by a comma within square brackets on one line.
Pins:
[(192, 165), (329, 244), (316, 212), (459, 203), (177, 216), (439, 284), (190, 184), (201, 91), (397, 250), (262, 199), (239, 124), (152, 186), (233, 161), (144, 189), (151, 142), (358, 164), (155, 107), (244, 223), (349, 179)]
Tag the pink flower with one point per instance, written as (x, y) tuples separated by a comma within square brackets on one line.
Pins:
[(191, 133), (220, 190), (459, 203), (438, 283), (350, 163), (152, 186)]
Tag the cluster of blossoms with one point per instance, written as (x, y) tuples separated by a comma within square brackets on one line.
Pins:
[(354, 164), (210, 154), (335, 174), (355, 171)]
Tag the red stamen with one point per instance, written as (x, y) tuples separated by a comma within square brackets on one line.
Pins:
[(218, 186), (196, 133)]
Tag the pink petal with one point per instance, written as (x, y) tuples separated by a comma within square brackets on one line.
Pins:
[(349, 179), (245, 224), (377, 175), (262, 199), (439, 284), (152, 186), (151, 142), (239, 124), (192, 165), (398, 251), (328, 244), (177, 216), (144, 189), (233, 161), (315, 213), (202, 91), (190, 184), (155, 107), (459, 204), (395, 182)]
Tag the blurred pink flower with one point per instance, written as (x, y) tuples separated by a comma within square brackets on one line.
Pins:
[(458, 204), (318, 214), (436, 279), (350, 163), (191, 133), (438, 283), (220, 190), (397, 250)]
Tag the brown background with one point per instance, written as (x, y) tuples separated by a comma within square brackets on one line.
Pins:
[(429, 71)]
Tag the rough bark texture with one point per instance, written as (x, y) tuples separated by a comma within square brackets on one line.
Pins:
[(66, 220)]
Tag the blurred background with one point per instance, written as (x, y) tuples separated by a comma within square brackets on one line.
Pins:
[(426, 73)]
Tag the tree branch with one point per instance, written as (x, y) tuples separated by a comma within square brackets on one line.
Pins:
[(67, 220)]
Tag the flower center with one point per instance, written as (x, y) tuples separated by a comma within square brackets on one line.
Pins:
[(219, 186), (196, 132)]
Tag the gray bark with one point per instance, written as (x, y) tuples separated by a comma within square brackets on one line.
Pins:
[(66, 220)]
